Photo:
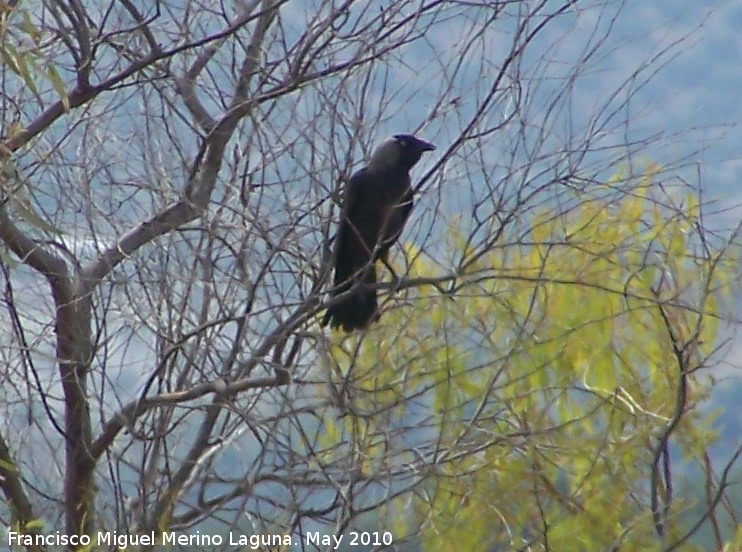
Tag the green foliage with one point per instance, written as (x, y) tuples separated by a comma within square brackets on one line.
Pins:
[(21, 52), (548, 377)]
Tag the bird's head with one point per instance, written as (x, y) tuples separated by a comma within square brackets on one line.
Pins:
[(400, 151)]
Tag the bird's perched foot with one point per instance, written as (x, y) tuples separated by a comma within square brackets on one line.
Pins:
[(395, 280)]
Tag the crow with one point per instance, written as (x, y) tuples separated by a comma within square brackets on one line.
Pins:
[(377, 201)]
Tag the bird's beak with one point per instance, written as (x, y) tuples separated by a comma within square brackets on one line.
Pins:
[(426, 146)]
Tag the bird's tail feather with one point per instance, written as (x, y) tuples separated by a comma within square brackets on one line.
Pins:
[(358, 308)]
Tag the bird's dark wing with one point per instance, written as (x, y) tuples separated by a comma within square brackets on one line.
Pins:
[(360, 225), (355, 274), (397, 215)]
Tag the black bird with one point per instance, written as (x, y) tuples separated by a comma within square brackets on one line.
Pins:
[(377, 202)]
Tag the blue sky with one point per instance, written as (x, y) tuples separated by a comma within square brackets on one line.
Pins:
[(701, 87), (693, 97)]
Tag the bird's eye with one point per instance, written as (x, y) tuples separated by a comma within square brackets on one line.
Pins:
[(404, 142)]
